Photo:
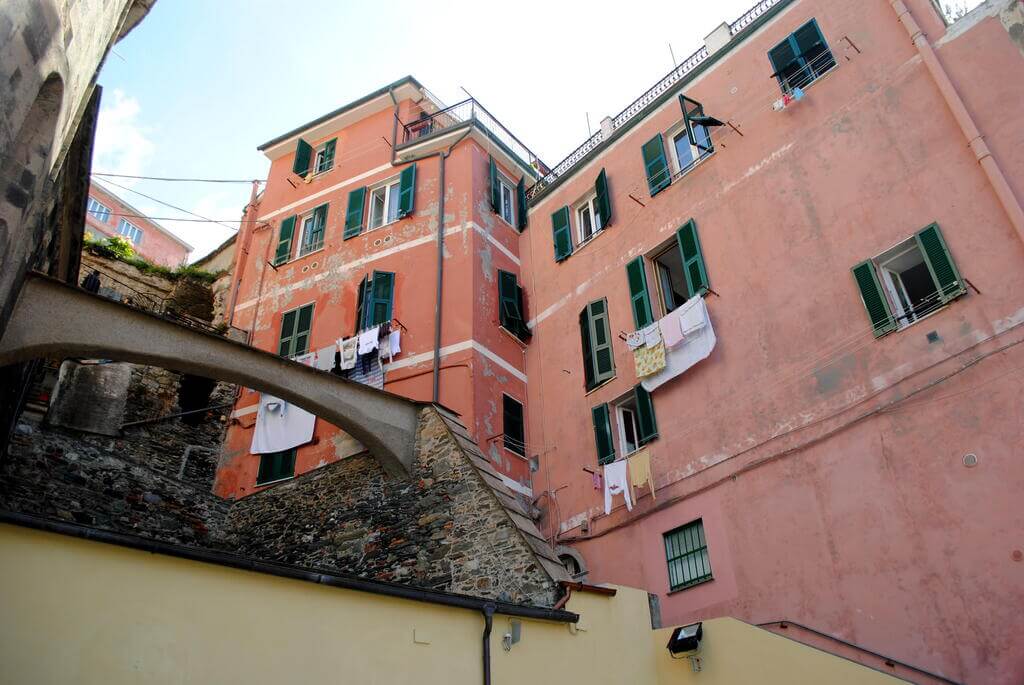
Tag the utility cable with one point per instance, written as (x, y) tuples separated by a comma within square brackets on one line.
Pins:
[(168, 204)]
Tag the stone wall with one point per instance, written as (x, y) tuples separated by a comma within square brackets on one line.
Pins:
[(125, 279), (442, 528)]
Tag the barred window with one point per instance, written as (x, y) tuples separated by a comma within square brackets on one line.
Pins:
[(686, 551)]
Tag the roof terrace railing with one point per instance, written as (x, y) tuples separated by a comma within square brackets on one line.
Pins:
[(642, 102), (470, 111)]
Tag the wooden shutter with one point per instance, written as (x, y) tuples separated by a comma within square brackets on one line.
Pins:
[(319, 224), (287, 333), (284, 241), (604, 201), (948, 283), (303, 153), (329, 153), (601, 342), (588, 354), (495, 187), (603, 434), (647, 425), (782, 56), (303, 323), (655, 165), (691, 109), (354, 213), (406, 190), (521, 206), (638, 294), (510, 305), (382, 287), (873, 298), (562, 233), (693, 259), (512, 425), (361, 304)]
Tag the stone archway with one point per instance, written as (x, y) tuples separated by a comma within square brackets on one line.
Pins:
[(52, 318)]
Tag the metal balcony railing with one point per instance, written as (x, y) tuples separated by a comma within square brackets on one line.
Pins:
[(470, 112)]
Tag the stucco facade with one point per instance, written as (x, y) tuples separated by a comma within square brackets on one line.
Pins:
[(151, 241)]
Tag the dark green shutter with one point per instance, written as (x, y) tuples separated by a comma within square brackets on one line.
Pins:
[(329, 153), (948, 283), (354, 213), (655, 165), (276, 466), (638, 294), (601, 342), (603, 434), (646, 423), (287, 333), (693, 259), (406, 191), (782, 57), (495, 188), (521, 206), (604, 201), (874, 300), (284, 241), (588, 349), (295, 326), (691, 109), (303, 152), (562, 233), (510, 305), (361, 306), (319, 226), (382, 287)]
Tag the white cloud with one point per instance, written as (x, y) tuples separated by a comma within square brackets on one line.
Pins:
[(123, 145), (204, 237)]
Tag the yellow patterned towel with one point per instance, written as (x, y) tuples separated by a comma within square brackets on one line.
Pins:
[(640, 471), (649, 360)]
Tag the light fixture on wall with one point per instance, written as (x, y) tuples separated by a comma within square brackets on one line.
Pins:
[(513, 635), (685, 642)]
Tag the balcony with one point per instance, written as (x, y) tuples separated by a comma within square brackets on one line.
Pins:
[(464, 115)]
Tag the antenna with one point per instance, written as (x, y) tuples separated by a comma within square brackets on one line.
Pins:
[(589, 133), (672, 52)]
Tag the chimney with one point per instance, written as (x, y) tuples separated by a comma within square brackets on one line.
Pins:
[(717, 39), (606, 128)]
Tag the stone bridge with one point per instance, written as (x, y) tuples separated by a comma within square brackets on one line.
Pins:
[(51, 318)]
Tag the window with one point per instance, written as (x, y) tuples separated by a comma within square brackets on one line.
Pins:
[(130, 231), (325, 157), (603, 435), (275, 466), (383, 204), (505, 203), (295, 326), (99, 210), (389, 201), (595, 333), (312, 230), (561, 233), (686, 551), (375, 301), (634, 416), (588, 220), (671, 278), (511, 313), (801, 58), (505, 197), (909, 281), (512, 425), (655, 165), (685, 154)]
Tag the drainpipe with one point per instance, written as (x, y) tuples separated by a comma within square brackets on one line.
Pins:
[(436, 392), (488, 612), (242, 248), (956, 105)]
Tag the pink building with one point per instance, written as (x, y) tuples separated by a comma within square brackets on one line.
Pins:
[(109, 215)]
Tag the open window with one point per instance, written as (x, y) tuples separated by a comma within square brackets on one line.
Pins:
[(909, 281), (801, 58), (596, 337), (588, 219), (514, 435), (680, 274), (376, 300), (324, 160), (511, 312), (635, 421), (384, 204), (311, 230)]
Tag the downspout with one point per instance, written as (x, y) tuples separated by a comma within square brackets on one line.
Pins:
[(242, 248), (956, 106), (488, 612)]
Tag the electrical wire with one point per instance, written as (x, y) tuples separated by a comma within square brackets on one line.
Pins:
[(167, 204), (180, 179)]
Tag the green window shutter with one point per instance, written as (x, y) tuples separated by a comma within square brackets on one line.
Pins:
[(329, 153), (562, 233), (783, 58), (521, 206), (495, 188), (588, 354), (406, 191), (510, 305), (693, 259), (601, 342), (646, 423), (874, 300), (382, 287), (655, 165), (276, 466), (284, 241), (603, 434), (638, 293), (287, 333), (361, 306), (940, 263), (303, 153), (303, 323), (354, 213), (319, 224), (604, 201)]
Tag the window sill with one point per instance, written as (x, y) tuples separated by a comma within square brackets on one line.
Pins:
[(924, 317), (299, 258), (594, 236), (690, 587), (819, 79), (599, 386), (522, 343), (274, 482), (515, 454), (679, 174)]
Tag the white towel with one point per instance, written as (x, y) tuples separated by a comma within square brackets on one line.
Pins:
[(280, 426), (368, 340), (349, 352), (616, 482), (696, 346), (652, 335), (391, 345)]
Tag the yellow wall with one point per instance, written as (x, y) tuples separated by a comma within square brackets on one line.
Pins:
[(73, 611)]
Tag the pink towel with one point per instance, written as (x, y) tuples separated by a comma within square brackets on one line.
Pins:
[(671, 331)]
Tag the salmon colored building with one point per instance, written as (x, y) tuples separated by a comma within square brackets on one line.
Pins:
[(109, 216), (814, 224)]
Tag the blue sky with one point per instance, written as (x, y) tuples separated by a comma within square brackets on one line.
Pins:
[(200, 83)]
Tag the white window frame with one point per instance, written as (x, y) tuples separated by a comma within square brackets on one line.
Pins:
[(895, 291), (623, 405), (506, 185), (671, 135), (589, 204), (130, 236), (319, 154), (101, 215), (391, 187), (299, 252)]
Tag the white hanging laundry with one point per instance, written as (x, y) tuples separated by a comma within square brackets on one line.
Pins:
[(696, 346), (390, 346), (368, 340), (616, 482), (349, 352), (652, 335), (635, 339), (280, 426)]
